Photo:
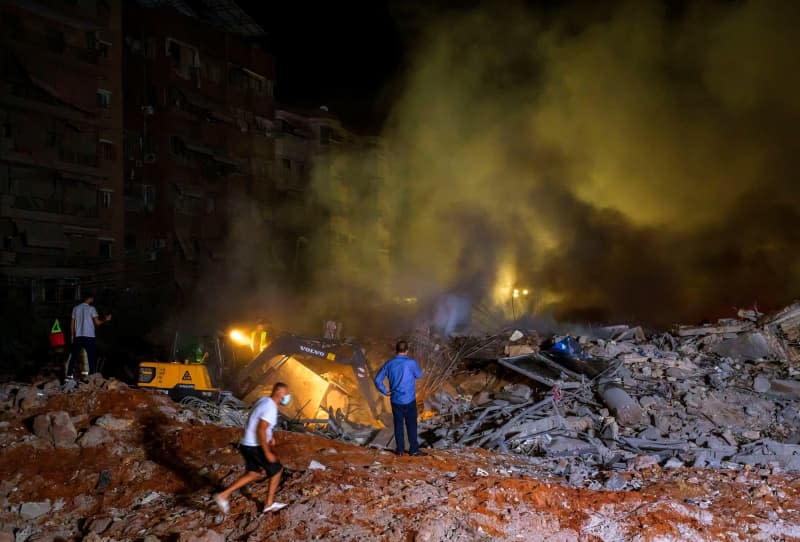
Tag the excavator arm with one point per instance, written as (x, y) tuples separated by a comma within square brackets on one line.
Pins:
[(286, 345)]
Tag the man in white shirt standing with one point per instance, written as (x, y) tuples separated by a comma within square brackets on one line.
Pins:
[(82, 332), (257, 448)]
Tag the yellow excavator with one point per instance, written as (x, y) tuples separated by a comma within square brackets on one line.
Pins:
[(192, 379)]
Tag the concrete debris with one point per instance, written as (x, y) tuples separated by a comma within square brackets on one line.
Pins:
[(56, 428), (708, 395)]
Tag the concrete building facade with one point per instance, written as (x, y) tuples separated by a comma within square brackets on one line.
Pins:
[(199, 151), (61, 190)]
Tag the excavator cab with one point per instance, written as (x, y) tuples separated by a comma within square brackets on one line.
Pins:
[(313, 367)]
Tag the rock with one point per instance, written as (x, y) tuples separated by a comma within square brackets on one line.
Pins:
[(202, 536), (113, 424), (99, 525), (761, 384), (626, 409), (63, 431), (32, 510), (616, 482), (645, 461), (94, 436), (673, 463), (151, 538), (114, 385), (316, 465), (648, 401), (28, 398), (56, 428), (751, 435), (518, 390)]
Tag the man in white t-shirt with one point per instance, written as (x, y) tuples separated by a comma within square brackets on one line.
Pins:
[(257, 448), (82, 332)]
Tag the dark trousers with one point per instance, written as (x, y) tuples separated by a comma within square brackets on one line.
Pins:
[(405, 414), (88, 344)]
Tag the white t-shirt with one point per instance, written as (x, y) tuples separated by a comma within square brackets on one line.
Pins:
[(265, 409), (84, 315)]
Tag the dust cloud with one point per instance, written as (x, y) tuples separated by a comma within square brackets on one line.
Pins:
[(628, 161)]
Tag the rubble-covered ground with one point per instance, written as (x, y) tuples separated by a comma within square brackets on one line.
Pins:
[(106, 462)]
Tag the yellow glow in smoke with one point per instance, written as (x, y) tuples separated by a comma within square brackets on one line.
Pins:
[(239, 337)]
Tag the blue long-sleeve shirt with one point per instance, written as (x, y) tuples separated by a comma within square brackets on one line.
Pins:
[(403, 373)]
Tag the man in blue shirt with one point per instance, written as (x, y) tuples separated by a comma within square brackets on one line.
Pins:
[(403, 373)]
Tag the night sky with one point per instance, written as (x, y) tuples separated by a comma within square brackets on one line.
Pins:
[(343, 55)]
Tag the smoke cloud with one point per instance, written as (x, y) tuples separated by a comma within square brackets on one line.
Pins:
[(632, 163)]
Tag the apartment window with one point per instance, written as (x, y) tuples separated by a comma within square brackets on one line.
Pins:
[(174, 53), (287, 164), (7, 129), (103, 98), (55, 41), (130, 241), (176, 146), (211, 206), (107, 150), (150, 45), (130, 145), (104, 250), (105, 198), (149, 196), (325, 133)]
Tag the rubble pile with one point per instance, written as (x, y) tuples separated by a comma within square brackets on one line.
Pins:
[(723, 395)]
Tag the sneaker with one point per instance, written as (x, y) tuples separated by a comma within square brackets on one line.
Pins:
[(274, 507), (222, 503), (416, 454)]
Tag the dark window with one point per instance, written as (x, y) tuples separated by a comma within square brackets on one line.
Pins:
[(108, 151), (325, 133), (287, 164), (104, 251), (130, 241), (55, 41), (105, 199), (175, 54), (176, 146), (103, 98)]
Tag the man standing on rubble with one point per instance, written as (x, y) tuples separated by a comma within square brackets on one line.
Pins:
[(403, 373), (82, 332), (257, 448)]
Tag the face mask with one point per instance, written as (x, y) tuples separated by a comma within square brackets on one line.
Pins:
[(286, 399)]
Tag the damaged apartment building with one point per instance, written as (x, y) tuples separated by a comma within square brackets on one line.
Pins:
[(61, 213), (323, 165), (198, 151)]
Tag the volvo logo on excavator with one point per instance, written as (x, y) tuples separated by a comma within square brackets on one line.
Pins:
[(312, 351)]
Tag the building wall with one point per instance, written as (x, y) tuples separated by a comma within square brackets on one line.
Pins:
[(198, 148), (61, 206)]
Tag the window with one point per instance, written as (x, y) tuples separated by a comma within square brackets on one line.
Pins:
[(287, 164), (105, 198), (150, 47), (103, 98), (130, 145), (176, 146), (104, 250), (325, 133), (149, 196), (7, 129), (130, 241), (174, 53), (107, 150), (55, 41), (211, 206)]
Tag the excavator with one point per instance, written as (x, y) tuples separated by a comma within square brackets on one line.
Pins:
[(181, 380)]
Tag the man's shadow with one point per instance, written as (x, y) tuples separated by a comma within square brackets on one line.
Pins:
[(160, 447)]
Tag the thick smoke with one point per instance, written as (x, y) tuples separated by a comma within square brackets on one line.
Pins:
[(633, 163)]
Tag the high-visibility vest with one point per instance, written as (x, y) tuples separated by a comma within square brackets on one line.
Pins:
[(258, 340), (56, 335)]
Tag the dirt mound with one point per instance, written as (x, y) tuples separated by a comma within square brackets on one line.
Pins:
[(144, 468)]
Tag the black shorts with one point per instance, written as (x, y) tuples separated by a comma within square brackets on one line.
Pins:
[(255, 460)]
